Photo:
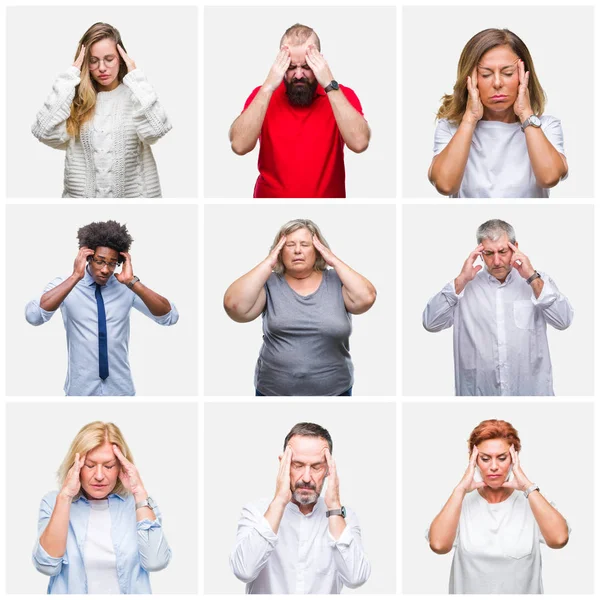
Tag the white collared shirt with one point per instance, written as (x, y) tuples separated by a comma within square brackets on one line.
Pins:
[(500, 341), (302, 557)]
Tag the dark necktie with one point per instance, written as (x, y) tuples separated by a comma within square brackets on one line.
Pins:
[(102, 341)]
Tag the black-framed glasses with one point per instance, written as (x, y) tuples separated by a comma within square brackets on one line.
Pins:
[(111, 265)]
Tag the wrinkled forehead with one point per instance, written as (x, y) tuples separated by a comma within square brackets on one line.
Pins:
[(498, 58), (498, 244), (308, 449), (300, 235), (494, 447), (101, 454)]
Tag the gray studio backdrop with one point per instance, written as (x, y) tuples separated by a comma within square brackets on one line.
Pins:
[(41, 43), (557, 454), (436, 241), (241, 466), (240, 46), (163, 359), (431, 49), (163, 438), (238, 237)]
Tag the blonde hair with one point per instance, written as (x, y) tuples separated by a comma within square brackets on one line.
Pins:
[(290, 227), (84, 102), (298, 34), (91, 436), (454, 105)]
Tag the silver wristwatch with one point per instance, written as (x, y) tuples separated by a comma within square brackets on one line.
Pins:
[(533, 120), (147, 502), (532, 488), (133, 281), (336, 511)]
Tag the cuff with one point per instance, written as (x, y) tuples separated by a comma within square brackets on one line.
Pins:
[(264, 529), (344, 540), (548, 294), (148, 524), (41, 557)]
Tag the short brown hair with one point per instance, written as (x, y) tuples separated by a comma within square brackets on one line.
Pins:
[(297, 34), (311, 430), (494, 429)]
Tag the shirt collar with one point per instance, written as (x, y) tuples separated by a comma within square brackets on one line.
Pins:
[(494, 280), (317, 508), (84, 499)]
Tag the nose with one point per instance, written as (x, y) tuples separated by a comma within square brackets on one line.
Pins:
[(494, 466), (306, 474), (298, 73), (297, 249), (497, 83), (98, 475), (497, 261)]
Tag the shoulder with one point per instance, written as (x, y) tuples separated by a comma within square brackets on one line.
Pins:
[(445, 125), (256, 507), (348, 91), (48, 501), (252, 96), (351, 96), (274, 280), (332, 276)]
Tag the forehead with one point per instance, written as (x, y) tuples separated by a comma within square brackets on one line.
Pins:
[(105, 252), (499, 244), (500, 56), (298, 53), (101, 454), (493, 447), (103, 47), (308, 448), (302, 235)]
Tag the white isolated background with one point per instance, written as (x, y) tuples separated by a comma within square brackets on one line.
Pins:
[(240, 46), (38, 437), (436, 241), (164, 360), (241, 466), (41, 43), (557, 454), (238, 237), (560, 40)]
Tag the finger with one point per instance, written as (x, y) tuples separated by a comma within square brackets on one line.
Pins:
[(121, 51), (512, 247), (478, 484), (120, 455)]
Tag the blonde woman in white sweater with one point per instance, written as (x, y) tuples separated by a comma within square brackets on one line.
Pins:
[(105, 114)]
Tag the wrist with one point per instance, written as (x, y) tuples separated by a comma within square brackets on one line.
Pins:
[(65, 496), (76, 277), (140, 495), (459, 492), (268, 88), (280, 503), (469, 121)]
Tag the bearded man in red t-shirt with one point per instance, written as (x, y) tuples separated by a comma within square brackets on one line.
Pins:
[(303, 118)]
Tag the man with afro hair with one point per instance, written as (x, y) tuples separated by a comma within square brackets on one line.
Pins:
[(96, 302)]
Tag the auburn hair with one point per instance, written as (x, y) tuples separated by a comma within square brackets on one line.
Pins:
[(494, 429)]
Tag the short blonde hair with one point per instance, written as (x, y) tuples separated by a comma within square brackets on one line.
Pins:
[(91, 436), (290, 227), (299, 34)]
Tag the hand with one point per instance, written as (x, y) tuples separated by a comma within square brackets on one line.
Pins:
[(319, 66), (274, 254), (126, 274), (283, 490), (79, 60), (469, 270), (278, 70), (129, 476), (81, 262), (522, 105), (332, 494), (519, 481), (328, 256), (474, 110), (126, 59), (520, 262), (72, 483), (467, 483)]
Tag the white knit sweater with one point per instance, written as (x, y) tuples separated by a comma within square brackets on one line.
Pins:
[(111, 158)]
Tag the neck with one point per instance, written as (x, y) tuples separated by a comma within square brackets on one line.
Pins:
[(495, 495), (505, 116), (109, 88), (305, 509), (300, 276)]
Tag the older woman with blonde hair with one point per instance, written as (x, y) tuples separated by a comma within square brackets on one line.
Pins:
[(100, 533), (496, 519), (492, 137), (306, 309), (105, 114)]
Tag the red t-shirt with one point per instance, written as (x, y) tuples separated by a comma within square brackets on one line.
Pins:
[(301, 148)]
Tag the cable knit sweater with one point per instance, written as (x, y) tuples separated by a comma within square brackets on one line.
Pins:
[(111, 158)]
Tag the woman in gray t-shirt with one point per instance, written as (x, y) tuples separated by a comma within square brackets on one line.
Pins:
[(306, 310)]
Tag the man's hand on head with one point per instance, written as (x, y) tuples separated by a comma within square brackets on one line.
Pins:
[(332, 494), (283, 489), (278, 70), (521, 262), (126, 274), (319, 66), (469, 270)]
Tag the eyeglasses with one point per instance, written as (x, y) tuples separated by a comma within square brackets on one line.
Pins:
[(107, 60), (111, 265)]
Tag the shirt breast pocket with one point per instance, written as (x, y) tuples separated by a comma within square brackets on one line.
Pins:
[(519, 546), (524, 313)]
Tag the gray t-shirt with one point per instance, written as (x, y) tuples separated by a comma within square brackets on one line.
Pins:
[(306, 350)]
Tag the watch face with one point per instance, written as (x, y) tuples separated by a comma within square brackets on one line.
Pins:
[(335, 85), (535, 121), (344, 512)]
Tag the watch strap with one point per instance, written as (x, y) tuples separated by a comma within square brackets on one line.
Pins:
[(133, 281), (147, 502), (535, 276), (336, 512), (333, 85), (532, 488), (528, 121)]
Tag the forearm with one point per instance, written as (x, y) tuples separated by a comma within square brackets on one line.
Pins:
[(551, 523), (245, 131), (243, 294), (442, 532), (359, 291), (145, 512), (337, 524), (439, 312), (155, 303), (54, 538), (274, 514), (547, 163), (537, 285), (352, 125), (448, 167), (53, 298)]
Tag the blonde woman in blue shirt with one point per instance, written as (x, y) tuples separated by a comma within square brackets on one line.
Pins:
[(100, 533)]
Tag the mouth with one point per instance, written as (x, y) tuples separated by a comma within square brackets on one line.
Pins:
[(298, 260), (103, 77), (98, 486), (494, 476), (499, 97)]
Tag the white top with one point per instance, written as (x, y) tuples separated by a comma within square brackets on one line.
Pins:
[(98, 551), (498, 165), (500, 341), (302, 558)]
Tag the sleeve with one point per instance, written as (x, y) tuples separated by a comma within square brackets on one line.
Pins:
[(169, 319), (442, 136), (439, 312), (555, 307), (155, 553), (50, 126), (251, 97), (254, 542), (351, 562), (149, 118), (352, 98), (43, 562), (552, 129), (34, 313)]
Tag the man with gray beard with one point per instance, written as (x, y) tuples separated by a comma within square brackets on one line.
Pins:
[(300, 542)]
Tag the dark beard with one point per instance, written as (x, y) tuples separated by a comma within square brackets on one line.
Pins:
[(301, 95)]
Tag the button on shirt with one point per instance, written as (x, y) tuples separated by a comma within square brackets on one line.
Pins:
[(500, 341), (80, 317), (139, 547), (302, 557)]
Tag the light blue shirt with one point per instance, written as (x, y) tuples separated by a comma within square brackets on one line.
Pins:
[(140, 547), (80, 317)]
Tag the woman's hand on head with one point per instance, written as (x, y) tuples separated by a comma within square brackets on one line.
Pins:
[(328, 256), (519, 481), (129, 475), (72, 483), (467, 483), (274, 254), (79, 60), (522, 105), (474, 109), (126, 59)]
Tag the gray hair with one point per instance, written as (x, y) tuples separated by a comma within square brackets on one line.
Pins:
[(290, 227), (298, 34), (493, 229), (311, 430)]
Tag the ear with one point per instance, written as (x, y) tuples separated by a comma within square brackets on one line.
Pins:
[(516, 244)]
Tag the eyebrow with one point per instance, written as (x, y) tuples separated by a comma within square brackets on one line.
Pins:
[(105, 56), (101, 463), (501, 68), (497, 455), (299, 462)]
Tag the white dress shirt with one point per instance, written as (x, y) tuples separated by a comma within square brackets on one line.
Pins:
[(500, 341), (80, 317), (302, 557)]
